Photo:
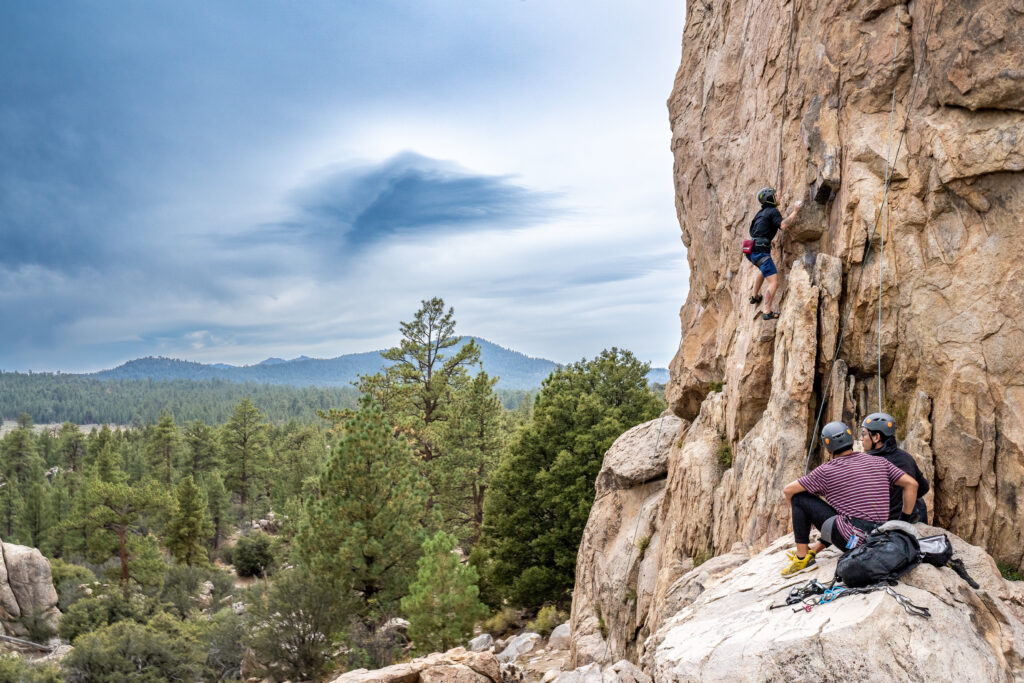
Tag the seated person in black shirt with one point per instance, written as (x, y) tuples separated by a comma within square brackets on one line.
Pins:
[(878, 437)]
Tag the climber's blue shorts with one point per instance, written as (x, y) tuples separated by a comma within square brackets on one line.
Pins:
[(764, 263)]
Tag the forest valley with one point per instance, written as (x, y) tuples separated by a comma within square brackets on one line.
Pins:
[(208, 549)]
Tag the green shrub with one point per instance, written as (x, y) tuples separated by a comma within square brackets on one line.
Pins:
[(547, 619), (489, 591), (716, 386), (124, 651), (1010, 571), (90, 614), (702, 556), (252, 555), (14, 669), (67, 578), (642, 545), (501, 622), (724, 452), (222, 638), (292, 631), (183, 584), (37, 625)]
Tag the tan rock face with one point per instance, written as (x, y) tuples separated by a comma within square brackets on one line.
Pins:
[(456, 665), (931, 290), (26, 588), (727, 633), (951, 341)]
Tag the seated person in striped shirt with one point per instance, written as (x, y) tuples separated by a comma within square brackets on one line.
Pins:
[(856, 486)]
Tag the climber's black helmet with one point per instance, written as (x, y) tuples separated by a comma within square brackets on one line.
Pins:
[(766, 195), (883, 423), (837, 437)]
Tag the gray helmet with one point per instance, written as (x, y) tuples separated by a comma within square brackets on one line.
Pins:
[(883, 423), (837, 437), (766, 195)]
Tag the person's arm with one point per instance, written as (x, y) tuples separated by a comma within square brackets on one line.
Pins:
[(789, 220), (909, 486), (792, 488)]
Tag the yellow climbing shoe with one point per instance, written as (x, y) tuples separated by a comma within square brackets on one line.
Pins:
[(798, 565)]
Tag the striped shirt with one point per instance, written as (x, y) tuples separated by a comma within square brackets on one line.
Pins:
[(856, 486)]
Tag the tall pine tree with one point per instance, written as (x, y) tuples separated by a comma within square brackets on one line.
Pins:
[(244, 443), (365, 528), (542, 492), (189, 527), (443, 603)]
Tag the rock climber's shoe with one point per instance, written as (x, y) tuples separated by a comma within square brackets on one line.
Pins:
[(798, 565), (769, 316), (756, 299)]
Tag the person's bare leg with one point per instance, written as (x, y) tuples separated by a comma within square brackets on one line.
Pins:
[(773, 284), (801, 550), (758, 281), (817, 547)]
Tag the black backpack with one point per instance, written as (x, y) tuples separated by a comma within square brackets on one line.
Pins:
[(884, 557), (936, 550)]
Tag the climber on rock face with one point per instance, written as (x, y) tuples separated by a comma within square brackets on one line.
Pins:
[(767, 222), (856, 486), (878, 437)]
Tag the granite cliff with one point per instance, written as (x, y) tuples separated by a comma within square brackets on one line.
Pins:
[(922, 292)]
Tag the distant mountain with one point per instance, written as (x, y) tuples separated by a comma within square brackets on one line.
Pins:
[(516, 370)]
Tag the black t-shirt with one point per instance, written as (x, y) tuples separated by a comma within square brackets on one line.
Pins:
[(905, 462), (766, 223)]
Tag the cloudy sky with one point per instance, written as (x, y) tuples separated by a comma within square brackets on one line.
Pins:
[(227, 181)]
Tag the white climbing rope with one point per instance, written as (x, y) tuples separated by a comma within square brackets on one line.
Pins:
[(867, 245), (885, 201)]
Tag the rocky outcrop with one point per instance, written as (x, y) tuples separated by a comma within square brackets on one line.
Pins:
[(620, 543), (950, 343), (727, 632), (917, 300), (26, 589), (453, 666)]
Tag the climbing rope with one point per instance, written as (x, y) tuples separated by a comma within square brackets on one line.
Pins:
[(785, 96), (885, 203), (867, 248)]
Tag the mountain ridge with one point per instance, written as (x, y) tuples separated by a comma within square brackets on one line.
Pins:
[(515, 370)]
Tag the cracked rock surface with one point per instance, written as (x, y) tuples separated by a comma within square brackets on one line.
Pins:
[(26, 588), (728, 633)]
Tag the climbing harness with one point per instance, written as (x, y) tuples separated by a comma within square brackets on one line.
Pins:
[(867, 248)]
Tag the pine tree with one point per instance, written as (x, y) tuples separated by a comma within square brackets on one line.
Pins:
[(203, 449), (244, 441), (37, 519), (365, 528), (443, 603), (472, 439), (163, 444), (542, 491), (71, 446), (189, 526), (427, 370), (218, 503)]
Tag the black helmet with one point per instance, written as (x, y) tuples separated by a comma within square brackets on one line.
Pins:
[(883, 423), (837, 437), (766, 195)]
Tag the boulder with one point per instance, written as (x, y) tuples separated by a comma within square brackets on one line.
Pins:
[(519, 646), (482, 642), (454, 666), (26, 589), (560, 637), (728, 633)]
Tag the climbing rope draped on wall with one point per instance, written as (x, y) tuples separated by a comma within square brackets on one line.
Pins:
[(785, 97), (867, 244)]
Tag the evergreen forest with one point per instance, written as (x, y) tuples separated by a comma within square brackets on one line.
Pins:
[(221, 530)]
